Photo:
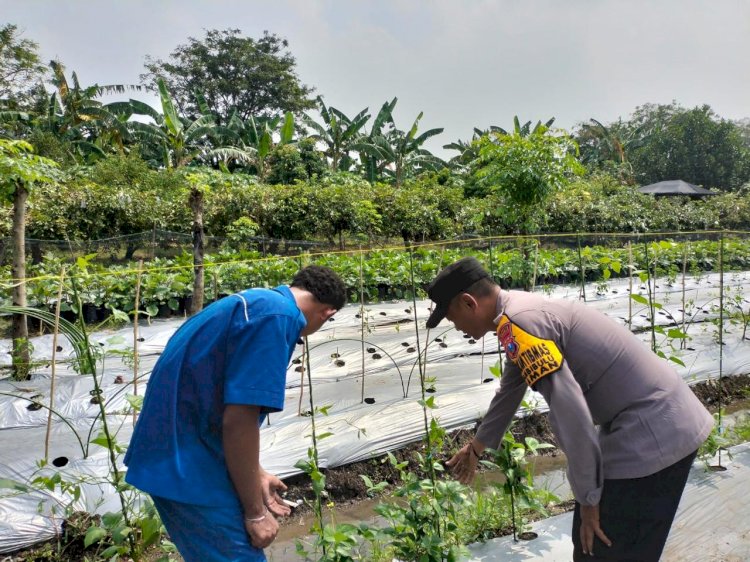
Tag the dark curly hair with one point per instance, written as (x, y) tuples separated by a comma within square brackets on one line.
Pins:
[(323, 283)]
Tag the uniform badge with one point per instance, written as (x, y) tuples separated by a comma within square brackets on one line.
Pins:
[(536, 357)]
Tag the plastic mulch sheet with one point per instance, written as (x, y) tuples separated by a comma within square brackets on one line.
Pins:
[(373, 396), (712, 523)]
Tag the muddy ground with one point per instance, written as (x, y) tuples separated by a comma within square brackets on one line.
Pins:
[(344, 485)]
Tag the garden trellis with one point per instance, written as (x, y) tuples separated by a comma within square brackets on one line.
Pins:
[(690, 302)]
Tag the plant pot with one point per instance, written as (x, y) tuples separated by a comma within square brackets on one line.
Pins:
[(102, 313), (89, 312), (186, 304)]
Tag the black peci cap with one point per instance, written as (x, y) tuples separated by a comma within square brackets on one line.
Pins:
[(451, 281)]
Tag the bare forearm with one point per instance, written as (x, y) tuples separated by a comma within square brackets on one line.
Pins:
[(241, 439)]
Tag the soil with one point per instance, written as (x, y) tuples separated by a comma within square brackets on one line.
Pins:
[(344, 485)]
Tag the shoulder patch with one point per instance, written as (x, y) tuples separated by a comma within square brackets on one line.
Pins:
[(535, 357)]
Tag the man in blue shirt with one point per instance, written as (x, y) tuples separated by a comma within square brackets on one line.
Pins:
[(195, 448)]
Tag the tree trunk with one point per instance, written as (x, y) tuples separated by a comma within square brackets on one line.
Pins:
[(20, 354), (196, 204)]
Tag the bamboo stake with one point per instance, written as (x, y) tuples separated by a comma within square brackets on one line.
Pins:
[(135, 333), (56, 330), (481, 366), (580, 267), (721, 330), (362, 317), (683, 341), (630, 285), (651, 310), (302, 377)]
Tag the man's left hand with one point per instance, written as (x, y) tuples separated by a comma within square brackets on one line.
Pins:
[(271, 486), (590, 528)]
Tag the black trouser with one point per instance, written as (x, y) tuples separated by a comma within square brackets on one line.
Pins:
[(636, 515)]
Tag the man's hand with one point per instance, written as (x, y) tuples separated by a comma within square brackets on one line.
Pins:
[(262, 532), (464, 464), (271, 485), (590, 527)]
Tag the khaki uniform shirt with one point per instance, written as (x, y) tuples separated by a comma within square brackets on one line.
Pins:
[(593, 372)]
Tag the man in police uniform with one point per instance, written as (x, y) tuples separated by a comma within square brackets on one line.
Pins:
[(628, 474)]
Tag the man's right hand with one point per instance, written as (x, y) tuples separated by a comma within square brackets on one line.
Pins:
[(262, 533), (464, 464)]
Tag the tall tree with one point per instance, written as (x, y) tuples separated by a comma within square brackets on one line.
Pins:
[(20, 67), (20, 169), (694, 145), (234, 73)]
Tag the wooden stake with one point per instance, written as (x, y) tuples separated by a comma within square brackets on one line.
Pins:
[(536, 264), (683, 341), (135, 332), (362, 317), (302, 377), (630, 285), (55, 331)]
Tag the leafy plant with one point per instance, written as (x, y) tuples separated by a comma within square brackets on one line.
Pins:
[(510, 459)]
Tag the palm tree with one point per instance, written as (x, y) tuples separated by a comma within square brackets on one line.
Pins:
[(340, 134)]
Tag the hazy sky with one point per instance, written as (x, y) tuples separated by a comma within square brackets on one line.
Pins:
[(465, 63)]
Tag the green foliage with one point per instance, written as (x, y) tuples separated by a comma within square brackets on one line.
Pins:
[(20, 66), (423, 522), (418, 210), (20, 166), (233, 73), (398, 154), (385, 273), (511, 460), (340, 133), (341, 204), (717, 441), (527, 169), (690, 144)]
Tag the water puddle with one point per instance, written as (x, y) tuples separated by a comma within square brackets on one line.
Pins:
[(549, 474)]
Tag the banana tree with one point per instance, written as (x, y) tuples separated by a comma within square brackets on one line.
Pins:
[(601, 144), (20, 169), (368, 154), (339, 133), (178, 140), (401, 154), (250, 142), (75, 115)]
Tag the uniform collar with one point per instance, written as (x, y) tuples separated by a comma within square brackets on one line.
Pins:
[(502, 301)]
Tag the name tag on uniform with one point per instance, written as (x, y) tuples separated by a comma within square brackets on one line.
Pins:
[(536, 357)]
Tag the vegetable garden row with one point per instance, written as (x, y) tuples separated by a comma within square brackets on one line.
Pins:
[(370, 382)]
